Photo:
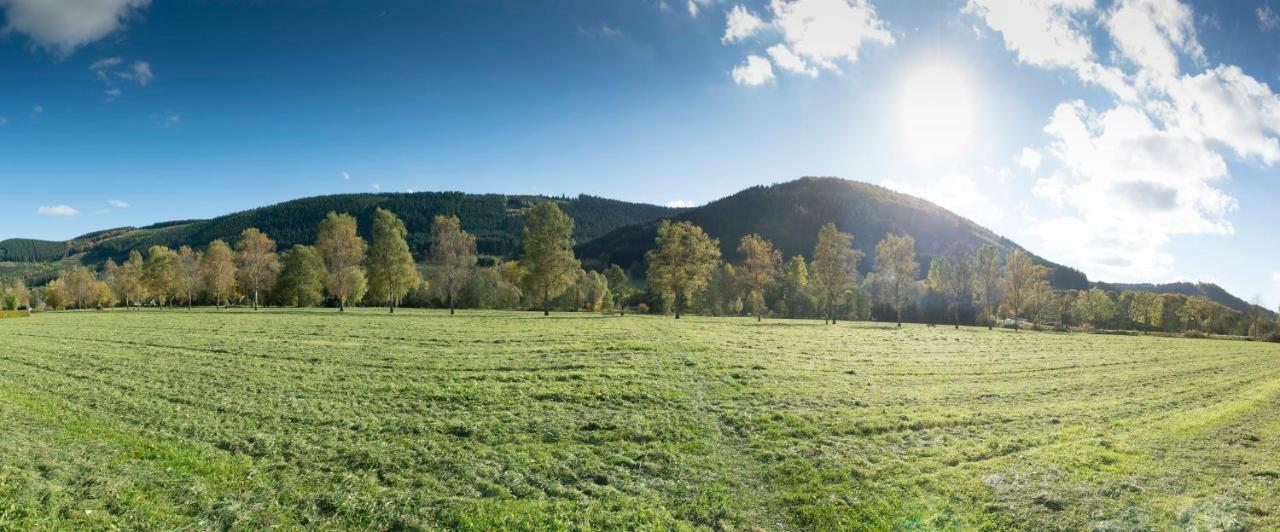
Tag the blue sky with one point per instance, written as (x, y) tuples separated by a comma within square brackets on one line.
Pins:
[(1136, 140)]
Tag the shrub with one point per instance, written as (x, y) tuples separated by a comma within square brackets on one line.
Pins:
[(1273, 337), (642, 308)]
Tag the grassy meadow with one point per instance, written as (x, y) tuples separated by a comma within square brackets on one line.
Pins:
[(314, 419)]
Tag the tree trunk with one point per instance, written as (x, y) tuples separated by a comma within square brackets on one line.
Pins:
[(451, 299), (342, 305), (956, 313), (546, 302), (899, 315), (391, 302), (255, 299)]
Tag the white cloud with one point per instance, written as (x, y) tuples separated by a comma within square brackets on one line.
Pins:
[(1146, 167), (57, 210), (956, 192), (695, 6), (117, 204), (755, 71), (1150, 34), (377, 187), (663, 6), (112, 93), (789, 61), (679, 204), (1043, 33), (1030, 159), (1228, 106), (825, 31), (37, 109), (740, 24), (346, 176), (61, 26), (1267, 19), (1051, 34)]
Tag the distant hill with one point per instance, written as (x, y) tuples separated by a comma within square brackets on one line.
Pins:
[(607, 231), (495, 219), (790, 214), (1208, 290)]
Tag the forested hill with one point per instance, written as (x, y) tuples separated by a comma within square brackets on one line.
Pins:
[(789, 214), (1208, 290), (495, 219)]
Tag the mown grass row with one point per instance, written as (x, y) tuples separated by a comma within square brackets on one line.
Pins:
[(313, 418)]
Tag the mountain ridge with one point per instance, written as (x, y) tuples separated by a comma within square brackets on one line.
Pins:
[(606, 230)]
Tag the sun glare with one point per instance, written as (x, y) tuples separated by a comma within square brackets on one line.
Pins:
[(936, 111)]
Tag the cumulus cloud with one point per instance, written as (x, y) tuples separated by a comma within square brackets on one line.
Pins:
[(956, 192), (119, 204), (57, 210), (679, 204), (789, 61), (62, 26), (825, 31), (1146, 167), (755, 71), (741, 23), (815, 34), (1030, 159)]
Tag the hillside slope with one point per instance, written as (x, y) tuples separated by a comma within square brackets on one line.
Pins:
[(1208, 290), (495, 219), (791, 213)]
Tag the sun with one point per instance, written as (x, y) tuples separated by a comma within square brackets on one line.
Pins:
[(936, 111)]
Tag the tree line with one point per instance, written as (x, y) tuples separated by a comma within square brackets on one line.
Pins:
[(685, 273)]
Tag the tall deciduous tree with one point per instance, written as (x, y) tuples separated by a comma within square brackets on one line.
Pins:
[(835, 268), (256, 263), (392, 271), (343, 253), (453, 252), (761, 264), (795, 287), (160, 274), (1020, 280), (218, 272), (682, 262), (897, 266), (548, 261), (619, 287), (301, 277), (952, 276), (188, 273), (80, 285), (986, 280), (1094, 307)]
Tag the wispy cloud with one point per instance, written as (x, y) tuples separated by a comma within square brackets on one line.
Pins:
[(1267, 19), (346, 176), (57, 210), (37, 109), (166, 120), (3, 120), (377, 187), (117, 204)]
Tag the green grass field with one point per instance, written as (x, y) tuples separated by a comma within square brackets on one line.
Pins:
[(240, 419)]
